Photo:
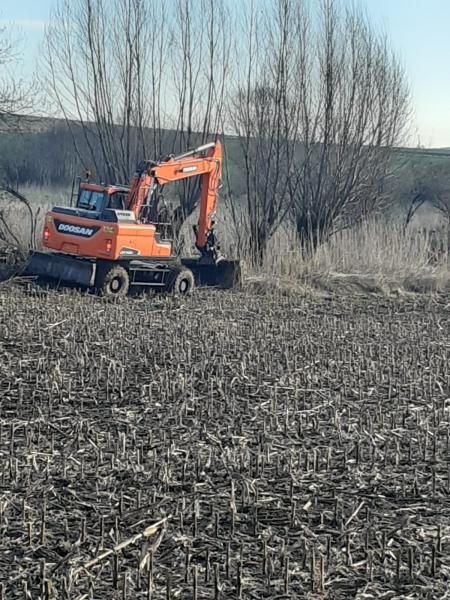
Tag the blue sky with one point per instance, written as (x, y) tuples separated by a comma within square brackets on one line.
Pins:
[(419, 30)]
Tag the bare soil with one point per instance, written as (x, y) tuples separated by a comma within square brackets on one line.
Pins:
[(284, 446)]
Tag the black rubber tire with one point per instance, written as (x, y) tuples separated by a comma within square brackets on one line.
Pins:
[(181, 282), (113, 282)]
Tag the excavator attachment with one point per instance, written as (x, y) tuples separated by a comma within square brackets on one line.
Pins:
[(60, 267), (225, 274)]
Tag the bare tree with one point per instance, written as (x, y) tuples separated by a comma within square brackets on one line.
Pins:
[(200, 62), (355, 105), (15, 100), (105, 74), (15, 94), (138, 78), (264, 113), (438, 185), (324, 101), (434, 183), (18, 223), (423, 178), (420, 195)]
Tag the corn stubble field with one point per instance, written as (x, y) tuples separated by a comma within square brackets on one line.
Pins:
[(227, 446)]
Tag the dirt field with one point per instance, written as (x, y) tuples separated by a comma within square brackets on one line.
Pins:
[(285, 447)]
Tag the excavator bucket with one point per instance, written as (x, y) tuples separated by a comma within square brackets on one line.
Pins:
[(225, 274)]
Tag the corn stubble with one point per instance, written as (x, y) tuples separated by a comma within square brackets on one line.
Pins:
[(233, 446)]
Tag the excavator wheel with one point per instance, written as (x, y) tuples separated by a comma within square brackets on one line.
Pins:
[(181, 282), (113, 281)]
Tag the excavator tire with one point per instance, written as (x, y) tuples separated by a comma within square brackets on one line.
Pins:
[(181, 282), (113, 281)]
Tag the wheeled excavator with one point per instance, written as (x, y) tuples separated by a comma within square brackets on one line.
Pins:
[(113, 240)]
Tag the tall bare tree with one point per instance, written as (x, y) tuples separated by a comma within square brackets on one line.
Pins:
[(200, 63), (15, 94), (264, 113), (355, 105), (323, 103), (138, 78), (104, 73)]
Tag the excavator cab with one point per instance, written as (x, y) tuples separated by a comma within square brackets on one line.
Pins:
[(97, 198)]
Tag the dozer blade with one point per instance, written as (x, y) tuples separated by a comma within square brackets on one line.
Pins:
[(225, 274), (57, 267)]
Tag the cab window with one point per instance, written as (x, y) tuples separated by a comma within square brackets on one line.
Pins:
[(90, 200), (117, 200)]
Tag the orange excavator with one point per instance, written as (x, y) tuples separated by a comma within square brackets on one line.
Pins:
[(114, 239)]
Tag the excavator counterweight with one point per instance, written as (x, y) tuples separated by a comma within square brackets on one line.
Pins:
[(114, 238)]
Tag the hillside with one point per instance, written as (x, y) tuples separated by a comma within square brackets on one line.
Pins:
[(40, 151)]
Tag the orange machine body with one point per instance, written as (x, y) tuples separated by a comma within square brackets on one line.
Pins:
[(72, 233), (112, 241), (108, 221)]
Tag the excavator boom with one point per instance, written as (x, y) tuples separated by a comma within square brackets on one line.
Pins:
[(205, 162)]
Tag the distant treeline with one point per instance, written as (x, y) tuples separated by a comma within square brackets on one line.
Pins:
[(43, 158), (52, 154)]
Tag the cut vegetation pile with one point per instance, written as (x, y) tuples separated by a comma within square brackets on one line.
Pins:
[(234, 446)]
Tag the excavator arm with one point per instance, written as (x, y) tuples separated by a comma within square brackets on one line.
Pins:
[(204, 161)]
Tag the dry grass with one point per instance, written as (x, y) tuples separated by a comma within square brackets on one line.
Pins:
[(17, 216), (375, 257)]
